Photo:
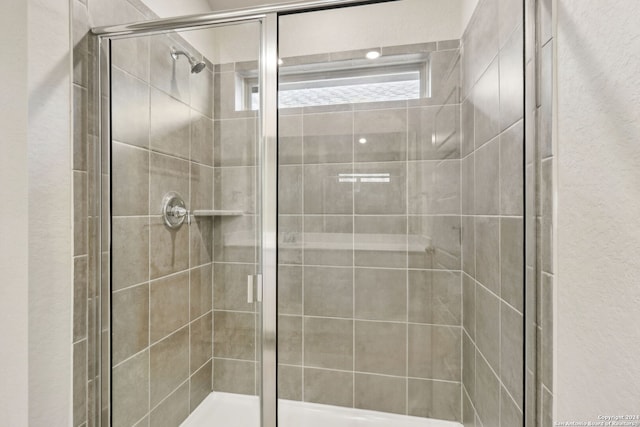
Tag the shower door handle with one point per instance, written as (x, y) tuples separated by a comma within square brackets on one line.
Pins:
[(251, 279), (250, 289)]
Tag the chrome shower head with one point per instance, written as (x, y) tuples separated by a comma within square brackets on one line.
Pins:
[(196, 66)]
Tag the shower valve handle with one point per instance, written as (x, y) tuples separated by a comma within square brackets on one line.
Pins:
[(178, 212)]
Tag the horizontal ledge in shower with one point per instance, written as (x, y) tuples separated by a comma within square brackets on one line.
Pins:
[(188, 22)]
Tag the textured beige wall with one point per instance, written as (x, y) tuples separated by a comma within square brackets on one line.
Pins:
[(598, 338), (36, 294), (14, 309)]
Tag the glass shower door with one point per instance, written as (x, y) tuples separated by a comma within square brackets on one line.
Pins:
[(185, 226)]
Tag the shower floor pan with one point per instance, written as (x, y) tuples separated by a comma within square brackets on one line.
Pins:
[(236, 410)]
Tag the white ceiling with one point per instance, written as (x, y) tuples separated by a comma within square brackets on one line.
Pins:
[(405, 22)]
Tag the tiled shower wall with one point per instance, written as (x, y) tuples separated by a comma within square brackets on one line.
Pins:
[(162, 280), (161, 302), (492, 215), (369, 275)]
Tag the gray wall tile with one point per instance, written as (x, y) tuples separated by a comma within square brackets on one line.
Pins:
[(234, 335), (173, 410), (328, 138), (200, 290), (168, 364), (328, 292), (434, 352), (328, 343), (434, 132), (434, 399), (168, 305), (200, 385), (235, 142), (380, 393), (380, 347), (130, 180), (130, 324), (234, 376), (169, 125), (169, 249), (290, 340), (386, 197), (130, 251), (380, 241), (380, 294), (201, 343), (130, 382), (328, 387), (130, 106), (385, 132), (435, 297)]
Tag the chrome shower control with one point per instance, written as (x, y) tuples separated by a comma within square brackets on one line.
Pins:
[(174, 210)]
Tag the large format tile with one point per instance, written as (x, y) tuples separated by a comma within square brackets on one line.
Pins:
[(328, 387), (201, 341), (290, 340), (130, 390), (434, 242), (380, 241), (434, 133), (168, 305), (512, 262), (328, 138), (328, 240), (173, 410), (328, 189), (168, 174), (328, 292), (202, 138), (487, 179), (167, 74), (130, 251), (201, 90), (201, 187), (434, 352), (328, 343), (289, 139), (384, 133), (488, 326), (169, 248), (130, 325), (380, 347), (289, 289), (169, 364), (380, 189), (234, 239), (130, 109), (169, 125), (512, 354), (129, 180), (290, 190), (230, 286), (380, 393), (488, 252), (200, 291), (511, 80), (435, 297), (380, 294), (290, 382), (234, 335), (434, 399), (234, 376), (235, 189), (200, 385), (235, 142), (488, 394), (434, 187), (511, 171), (486, 97)]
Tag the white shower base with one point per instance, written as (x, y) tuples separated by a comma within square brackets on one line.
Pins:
[(236, 410)]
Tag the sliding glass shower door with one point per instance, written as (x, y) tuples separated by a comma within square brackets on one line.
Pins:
[(185, 220)]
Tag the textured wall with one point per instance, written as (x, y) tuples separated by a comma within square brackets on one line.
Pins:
[(14, 245), (492, 209), (598, 209)]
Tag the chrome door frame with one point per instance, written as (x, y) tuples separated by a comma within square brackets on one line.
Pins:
[(267, 16), (268, 176)]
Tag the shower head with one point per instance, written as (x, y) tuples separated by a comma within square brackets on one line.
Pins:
[(196, 66)]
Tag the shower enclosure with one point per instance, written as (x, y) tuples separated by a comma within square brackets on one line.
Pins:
[(313, 214)]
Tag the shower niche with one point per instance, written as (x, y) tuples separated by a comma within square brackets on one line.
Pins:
[(315, 212)]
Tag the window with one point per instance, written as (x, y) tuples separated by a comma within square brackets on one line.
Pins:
[(392, 78)]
